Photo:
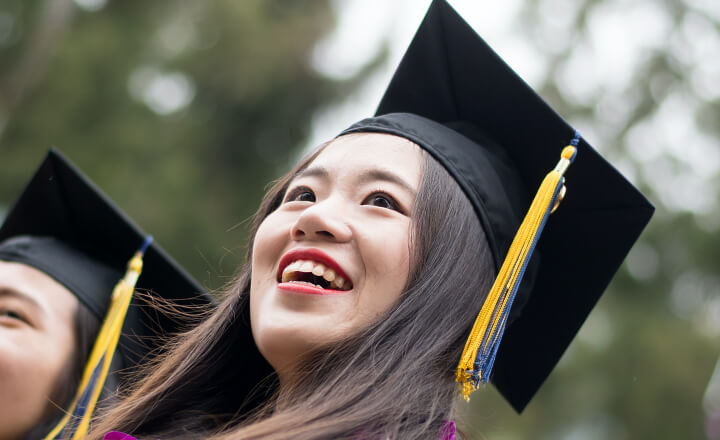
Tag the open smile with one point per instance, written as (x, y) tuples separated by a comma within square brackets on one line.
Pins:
[(312, 271)]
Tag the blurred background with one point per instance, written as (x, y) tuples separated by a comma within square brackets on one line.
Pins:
[(183, 112)]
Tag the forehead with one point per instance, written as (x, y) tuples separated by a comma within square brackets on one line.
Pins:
[(360, 152), (35, 285)]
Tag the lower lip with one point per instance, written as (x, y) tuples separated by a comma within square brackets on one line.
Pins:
[(308, 290)]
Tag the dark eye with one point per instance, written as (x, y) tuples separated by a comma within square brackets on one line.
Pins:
[(300, 194), (6, 313), (382, 200)]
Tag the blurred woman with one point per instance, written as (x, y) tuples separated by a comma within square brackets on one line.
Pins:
[(63, 251), (46, 336)]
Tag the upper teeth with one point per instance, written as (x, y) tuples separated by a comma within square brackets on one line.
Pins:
[(317, 269)]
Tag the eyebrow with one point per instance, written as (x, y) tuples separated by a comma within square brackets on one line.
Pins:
[(365, 176), (14, 293)]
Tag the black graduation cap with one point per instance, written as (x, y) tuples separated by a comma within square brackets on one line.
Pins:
[(456, 98), (65, 226)]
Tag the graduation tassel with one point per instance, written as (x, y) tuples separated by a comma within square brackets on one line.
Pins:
[(477, 360), (76, 422)]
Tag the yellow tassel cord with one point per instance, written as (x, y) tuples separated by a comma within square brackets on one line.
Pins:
[(481, 347), (76, 422)]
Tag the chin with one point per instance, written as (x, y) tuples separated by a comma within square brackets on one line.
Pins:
[(282, 348), (284, 345)]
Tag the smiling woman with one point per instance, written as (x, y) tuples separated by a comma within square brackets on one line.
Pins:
[(384, 269), (370, 207)]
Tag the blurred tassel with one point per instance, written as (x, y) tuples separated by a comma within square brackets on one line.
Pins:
[(478, 357), (75, 424)]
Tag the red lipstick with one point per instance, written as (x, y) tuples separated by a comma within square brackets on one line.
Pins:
[(312, 255)]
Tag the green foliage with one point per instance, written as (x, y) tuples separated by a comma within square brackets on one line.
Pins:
[(188, 175)]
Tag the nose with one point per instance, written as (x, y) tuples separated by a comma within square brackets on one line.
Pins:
[(321, 221)]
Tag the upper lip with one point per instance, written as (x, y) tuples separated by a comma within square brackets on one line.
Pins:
[(313, 255)]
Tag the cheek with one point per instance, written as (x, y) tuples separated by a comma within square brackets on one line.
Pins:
[(30, 367), (388, 254), (271, 238), (270, 241), (25, 369), (387, 267)]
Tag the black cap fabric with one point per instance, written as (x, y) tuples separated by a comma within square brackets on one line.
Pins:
[(65, 226), (458, 100), (87, 278)]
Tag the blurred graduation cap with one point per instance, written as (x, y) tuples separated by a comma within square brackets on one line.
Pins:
[(458, 100), (63, 225)]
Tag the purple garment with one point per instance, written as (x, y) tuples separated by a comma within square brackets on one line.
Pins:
[(448, 431), (116, 435)]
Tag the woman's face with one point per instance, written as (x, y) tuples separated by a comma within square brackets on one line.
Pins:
[(334, 256), (36, 342)]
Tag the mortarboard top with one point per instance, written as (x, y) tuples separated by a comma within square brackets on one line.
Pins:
[(65, 226), (449, 77)]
